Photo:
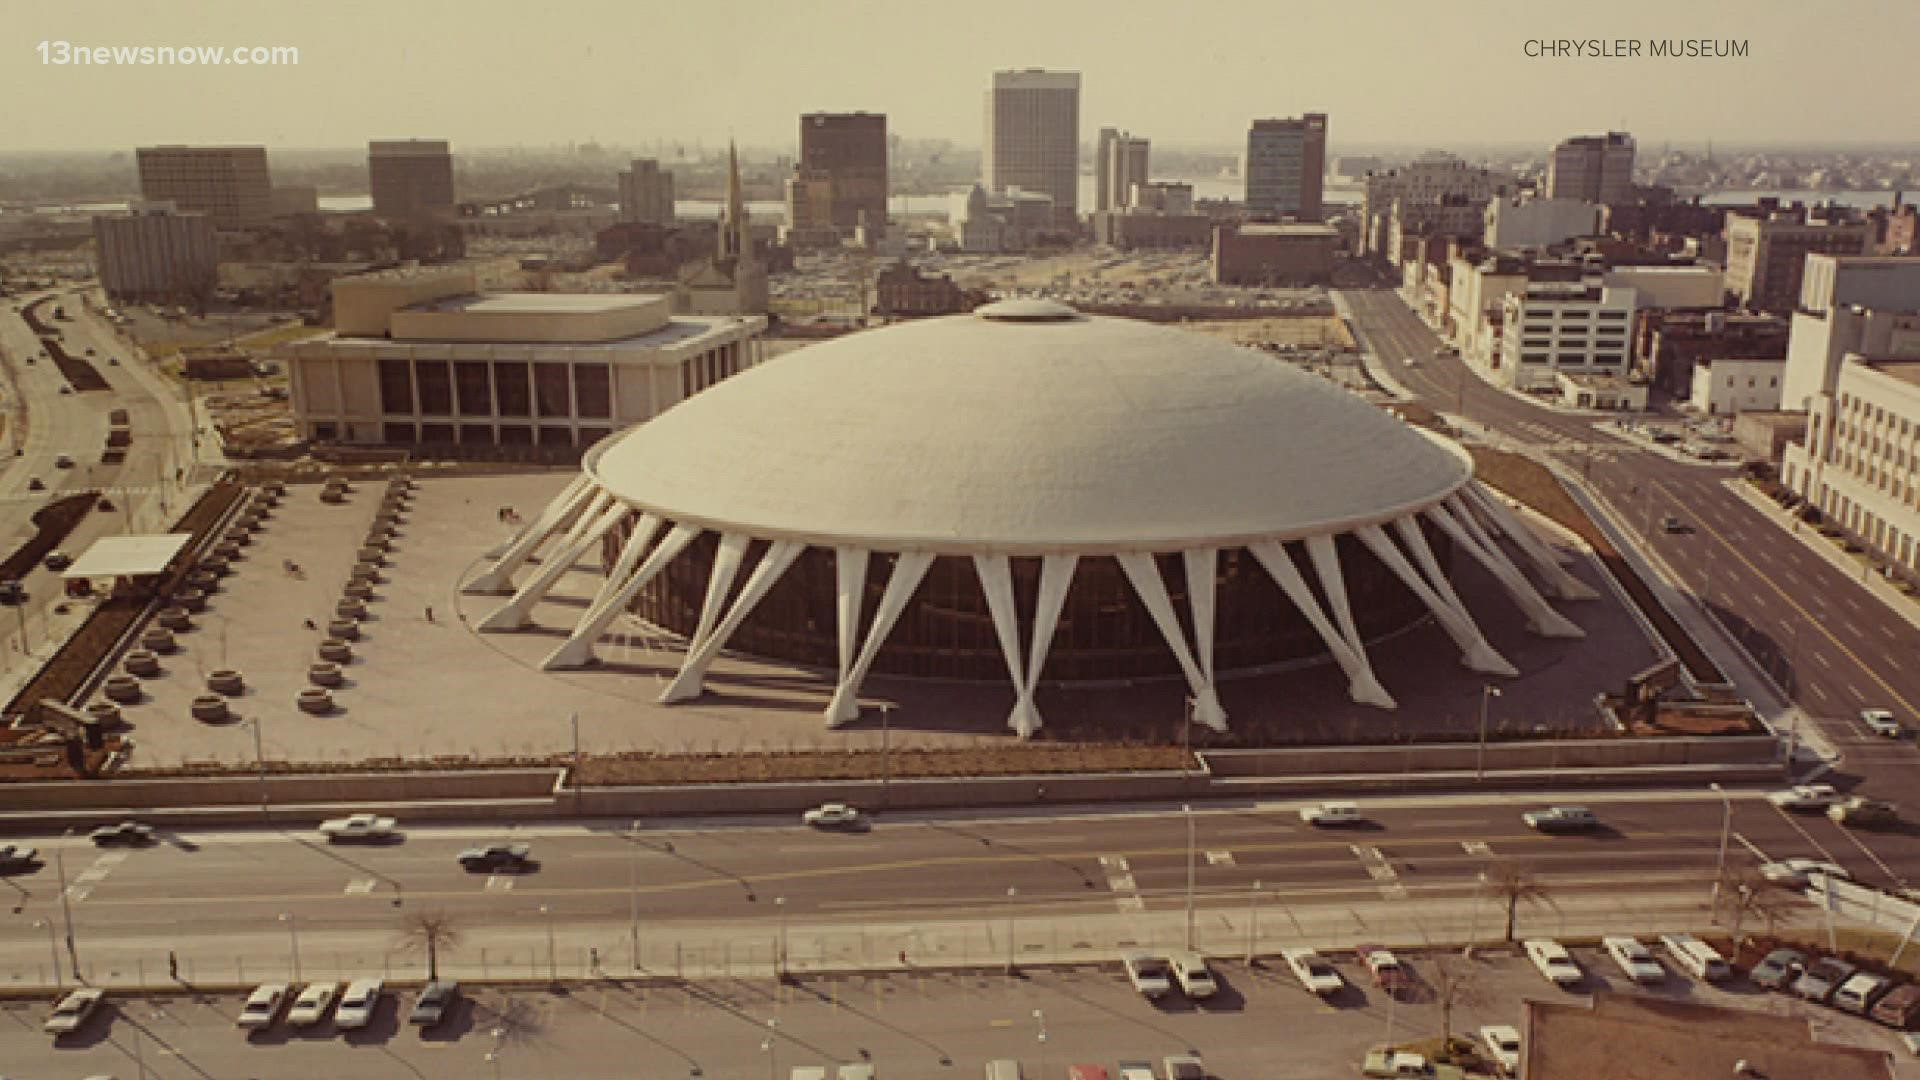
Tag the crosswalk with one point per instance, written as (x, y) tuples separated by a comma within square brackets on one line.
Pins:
[(84, 882)]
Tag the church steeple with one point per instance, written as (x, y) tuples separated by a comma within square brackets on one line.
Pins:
[(735, 242)]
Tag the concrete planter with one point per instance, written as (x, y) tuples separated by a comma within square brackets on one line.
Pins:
[(368, 570), (105, 713), (337, 651), (350, 609), (124, 689), (325, 674), (142, 662), (226, 552), (274, 488), (315, 700), (344, 629), (174, 618), (191, 599), (377, 541), (210, 708), (249, 522), (215, 564), (204, 580), (238, 538), (333, 495), (377, 556), (158, 639), (359, 590), (225, 681)]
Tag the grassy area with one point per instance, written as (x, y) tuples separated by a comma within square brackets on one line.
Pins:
[(279, 335)]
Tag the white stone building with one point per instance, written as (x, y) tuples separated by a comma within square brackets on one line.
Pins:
[(1860, 461), (1517, 223), (1729, 386), (1550, 327)]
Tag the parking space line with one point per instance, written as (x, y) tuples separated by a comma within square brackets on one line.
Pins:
[(499, 883)]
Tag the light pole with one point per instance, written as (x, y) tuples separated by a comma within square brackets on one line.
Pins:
[(1040, 1018), (1726, 830), (493, 1055), (771, 1047), (633, 894), (260, 761), (1187, 809), (1487, 693), (1011, 893), (53, 952), (293, 941), (1473, 920), (886, 746), (1186, 739), (1253, 920), (780, 965), (553, 960), (66, 906)]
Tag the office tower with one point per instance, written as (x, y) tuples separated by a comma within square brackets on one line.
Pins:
[(410, 177), (1285, 162), (1767, 251), (1033, 137), (155, 254), (230, 184), (840, 181), (1593, 168), (646, 193)]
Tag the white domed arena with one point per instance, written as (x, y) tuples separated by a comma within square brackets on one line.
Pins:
[(1028, 494)]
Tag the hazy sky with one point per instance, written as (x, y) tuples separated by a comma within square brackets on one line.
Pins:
[(494, 73)]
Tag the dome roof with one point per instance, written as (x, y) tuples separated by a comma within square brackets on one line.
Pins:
[(1025, 428)]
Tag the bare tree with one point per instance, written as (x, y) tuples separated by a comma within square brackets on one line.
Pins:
[(432, 931), (1453, 986), (1515, 884), (1752, 895)]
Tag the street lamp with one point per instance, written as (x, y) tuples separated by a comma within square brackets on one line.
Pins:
[(1187, 809), (633, 894), (53, 952), (493, 1055), (66, 904), (293, 941), (553, 960), (1487, 694), (1253, 920), (886, 746), (260, 761), (1726, 829), (780, 965), (770, 1046), (1011, 893)]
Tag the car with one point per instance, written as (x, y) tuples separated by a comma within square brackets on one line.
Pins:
[(358, 1004), (1183, 1067), (496, 857), (1314, 971), (1778, 968), (1671, 524), (1149, 974), (90, 351), (1332, 814), (17, 857), (1797, 872), (1818, 982), (12, 592), (34, 483), (1190, 971), (263, 1006), (432, 1004), (1385, 1061), (1560, 819), (1634, 958), (1862, 992), (1805, 797), (357, 827), (1087, 1072), (1134, 1070), (311, 1006), (1503, 1046), (835, 815), (63, 461), (66, 389), (1388, 972), (58, 560), (126, 832), (1860, 811), (1552, 960), (105, 505), (1881, 722), (1900, 1008), (858, 1070), (73, 1010)]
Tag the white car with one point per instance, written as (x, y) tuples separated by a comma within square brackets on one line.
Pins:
[(1135, 1070), (1805, 797), (358, 827), (1881, 722), (1800, 871), (1190, 971), (1635, 959), (1553, 960), (73, 1010), (835, 815), (1503, 1046), (311, 1006), (1314, 971), (263, 1005), (1148, 973), (1183, 1067), (358, 1004), (1332, 813)]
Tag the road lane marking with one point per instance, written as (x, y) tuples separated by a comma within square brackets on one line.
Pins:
[(1476, 847), (1219, 858), (359, 885), (1807, 836), (1380, 870), (1821, 659), (1877, 860), (1819, 693), (1126, 891), (499, 883)]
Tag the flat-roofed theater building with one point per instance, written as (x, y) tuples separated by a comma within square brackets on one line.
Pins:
[(1025, 492), (422, 356)]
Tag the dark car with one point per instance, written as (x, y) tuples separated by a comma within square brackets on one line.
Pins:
[(1778, 968), (496, 857), (126, 832), (432, 1004), (12, 592), (58, 560), (34, 483)]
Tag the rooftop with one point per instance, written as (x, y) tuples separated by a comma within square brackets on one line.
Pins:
[(533, 303), (1906, 369), (1288, 228), (1632, 1038)]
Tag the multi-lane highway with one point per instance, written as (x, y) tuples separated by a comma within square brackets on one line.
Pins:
[(1829, 642)]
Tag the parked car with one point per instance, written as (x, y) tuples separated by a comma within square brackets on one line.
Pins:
[(1190, 971), (1881, 722), (1797, 872), (1778, 968), (1900, 1008), (1862, 992), (58, 560), (1560, 819), (357, 827), (12, 591), (73, 1010), (1805, 797), (1503, 1046), (17, 857), (835, 815), (311, 1006), (358, 1004), (1087, 1072), (1696, 957), (1669, 523), (63, 461), (1819, 982), (1551, 959), (1635, 959), (1332, 814), (496, 857), (1385, 968), (858, 1070), (1387, 1062), (434, 1001), (132, 833), (1183, 1067), (1314, 971), (263, 1006), (1148, 973), (1861, 812), (1134, 1070)]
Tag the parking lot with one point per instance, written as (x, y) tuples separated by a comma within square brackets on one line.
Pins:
[(914, 1024)]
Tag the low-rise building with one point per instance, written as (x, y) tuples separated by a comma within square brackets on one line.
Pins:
[(902, 291), (290, 199), (1580, 390), (1866, 305), (1764, 436), (1672, 286), (1731, 385), (421, 356), (1668, 344), (1767, 250), (1011, 220), (1291, 254), (1130, 229), (1520, 222), (1860, 460), (1564, 326)]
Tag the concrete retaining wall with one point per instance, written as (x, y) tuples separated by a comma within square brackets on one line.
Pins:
[(380, 788), (1444, 757)]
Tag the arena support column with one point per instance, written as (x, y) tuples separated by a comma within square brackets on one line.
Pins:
[(1541, 618), (996, 581), (601, 517), (1144, 573), (620, 588), (688, 683), (909, 567), (1474, 650), (850, 586), (559, 514), (1545, 563), (1362, 686)]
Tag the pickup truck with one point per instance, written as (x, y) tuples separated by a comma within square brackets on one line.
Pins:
[(1387, 1062), (358, 827), (1149, 974)]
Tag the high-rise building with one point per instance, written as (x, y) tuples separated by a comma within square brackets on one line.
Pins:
[(1119, 163), (230, 184), (410, 177), (1436, 179), (646, 193), (840, 182), (1593, 168), (1285, 163), (1033, 137), (1767, 252), (155, 254)]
